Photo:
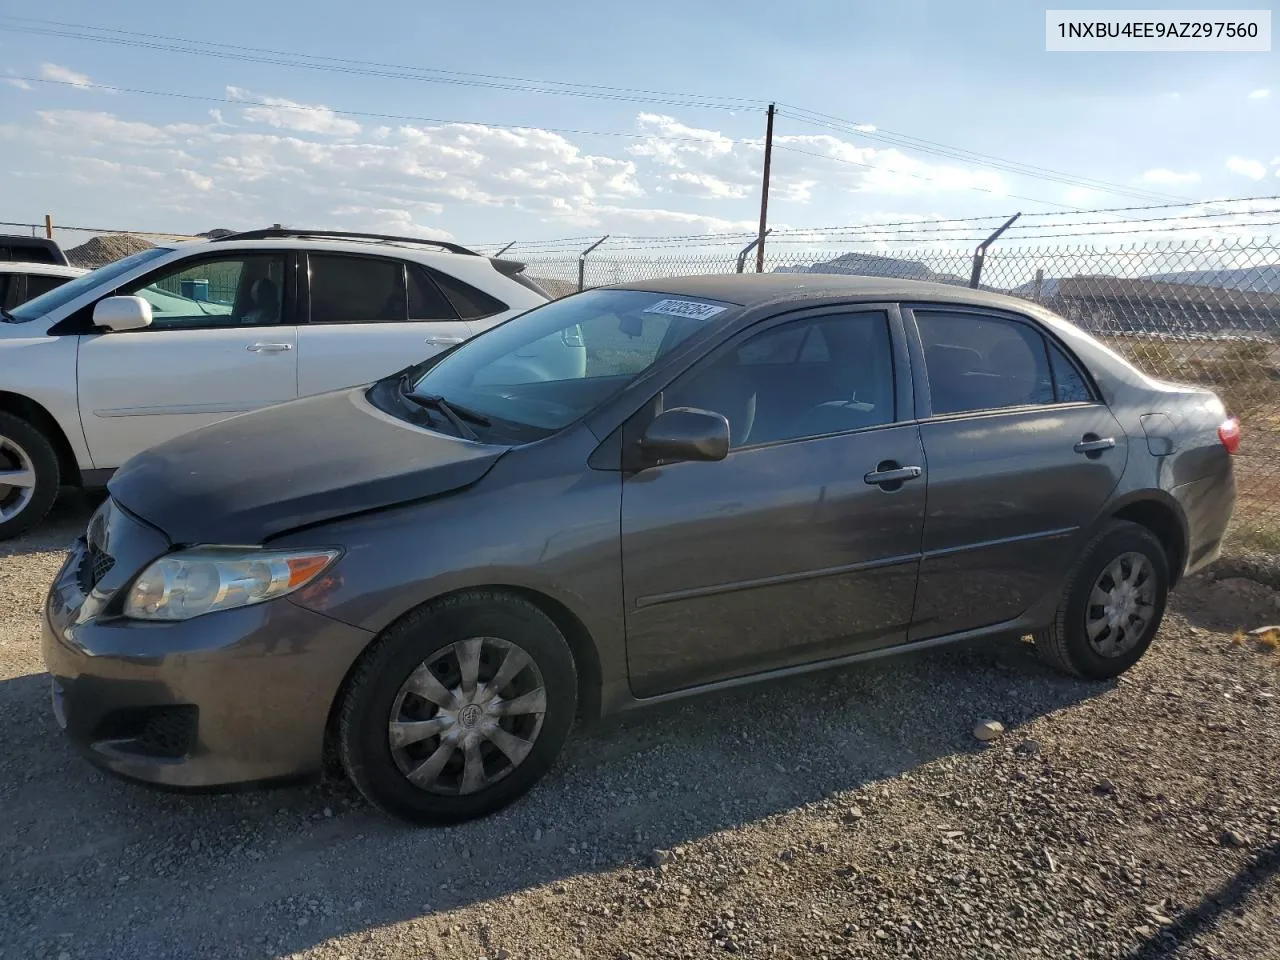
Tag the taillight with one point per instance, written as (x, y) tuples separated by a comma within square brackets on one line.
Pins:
[(1229, 434)]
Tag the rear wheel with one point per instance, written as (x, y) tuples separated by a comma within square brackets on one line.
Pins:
[(458, 709), (1112, 606), (29, 476)]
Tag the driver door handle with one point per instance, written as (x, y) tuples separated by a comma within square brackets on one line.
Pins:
[(1094, 444), (892, 475), (443, 341), (269, 347)]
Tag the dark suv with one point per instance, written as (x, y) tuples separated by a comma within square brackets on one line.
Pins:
[(751, 476)]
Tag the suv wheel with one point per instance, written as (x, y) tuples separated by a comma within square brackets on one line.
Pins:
[(28, 476), (1112, 606), (458, 709)]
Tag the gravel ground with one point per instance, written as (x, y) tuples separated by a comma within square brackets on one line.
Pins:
[(851, 815)]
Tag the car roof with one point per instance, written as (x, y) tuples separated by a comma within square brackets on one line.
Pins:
[(757, 289), (49, 269), (424, 252)]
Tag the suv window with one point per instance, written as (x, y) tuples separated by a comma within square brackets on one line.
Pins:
[(471, 304), (978, 362), (357, 289), (808, 378), (38, 283), (426, 302), (244, 290)]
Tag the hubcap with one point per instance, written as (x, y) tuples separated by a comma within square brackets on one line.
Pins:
[(1121, 605), (17, 479), (467, 716)]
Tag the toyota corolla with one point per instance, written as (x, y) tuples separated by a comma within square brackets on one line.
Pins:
[(431, 577)]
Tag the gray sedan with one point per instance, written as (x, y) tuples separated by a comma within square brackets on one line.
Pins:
[(429, 578)]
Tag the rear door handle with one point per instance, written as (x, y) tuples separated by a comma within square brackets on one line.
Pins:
[(443, 341), (269, 347), (1092, 444), (879, 477)]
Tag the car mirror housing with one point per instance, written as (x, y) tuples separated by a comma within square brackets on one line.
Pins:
[(686, 433), (122, 313)]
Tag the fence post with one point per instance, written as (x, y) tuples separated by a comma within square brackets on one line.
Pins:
[(506, 248), (742, 256), (1039, 283), (582, 262), (48, 226), (981, 252)]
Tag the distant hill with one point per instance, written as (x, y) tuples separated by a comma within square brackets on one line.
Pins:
[(871, 265), (1263, 279)]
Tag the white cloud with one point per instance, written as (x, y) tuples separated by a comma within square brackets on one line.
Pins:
[(390, 220), (1162, 176), (51, 71), (290, 115), (1259, 94), (18, 82), (99, 127), (281, 161), (1252, 169)]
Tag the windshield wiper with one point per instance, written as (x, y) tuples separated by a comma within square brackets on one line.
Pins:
[(6, 316), (456, 414)]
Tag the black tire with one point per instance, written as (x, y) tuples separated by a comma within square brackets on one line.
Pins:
[(44, 461), (1065, 644), (363, 743)]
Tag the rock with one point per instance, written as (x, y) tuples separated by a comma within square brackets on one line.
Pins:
[(1232, 838), (988, 730), (1028, 748), (853, 814), (1104, 787), (660, 858)]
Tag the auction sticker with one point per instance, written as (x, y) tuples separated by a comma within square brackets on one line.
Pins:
[(686, 308)]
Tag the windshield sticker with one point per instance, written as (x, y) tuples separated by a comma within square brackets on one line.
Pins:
[(686, 308)]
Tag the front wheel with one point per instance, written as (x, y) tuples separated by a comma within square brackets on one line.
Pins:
[(1112, 606), (458, 709), (29, 476)]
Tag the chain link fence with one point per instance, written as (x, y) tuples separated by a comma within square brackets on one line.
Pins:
[(1205, 312)]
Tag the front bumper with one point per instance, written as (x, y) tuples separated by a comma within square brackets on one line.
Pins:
[(228, 698)]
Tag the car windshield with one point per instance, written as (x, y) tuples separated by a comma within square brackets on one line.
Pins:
[(59, 296), (551, 366)]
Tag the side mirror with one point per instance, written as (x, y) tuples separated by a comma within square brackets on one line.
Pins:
[(122, 313), (685, 433)]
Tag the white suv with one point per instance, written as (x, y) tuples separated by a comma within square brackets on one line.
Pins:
[(177, 337)]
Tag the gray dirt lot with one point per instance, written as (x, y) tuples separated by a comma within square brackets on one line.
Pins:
[(848, 815)]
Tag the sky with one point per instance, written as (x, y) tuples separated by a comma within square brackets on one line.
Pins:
[(233, 141)]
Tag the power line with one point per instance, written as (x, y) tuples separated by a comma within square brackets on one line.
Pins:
[(970, 156), (233, 101), (263, 55), (744, 101), (919, 176), (937, 225)]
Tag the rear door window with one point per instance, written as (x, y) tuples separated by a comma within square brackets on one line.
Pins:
[(347, 289), (983, 362)]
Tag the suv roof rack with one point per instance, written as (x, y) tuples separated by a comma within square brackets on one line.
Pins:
[(270, 233)]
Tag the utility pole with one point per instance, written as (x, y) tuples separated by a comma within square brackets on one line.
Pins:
[(764, 192)]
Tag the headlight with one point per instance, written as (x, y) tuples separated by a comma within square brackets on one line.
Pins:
[(193, 582)]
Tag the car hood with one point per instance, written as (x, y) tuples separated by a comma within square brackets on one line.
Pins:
[(249, 478)]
